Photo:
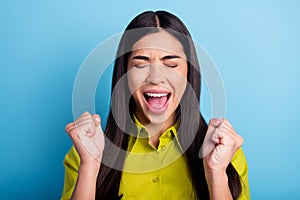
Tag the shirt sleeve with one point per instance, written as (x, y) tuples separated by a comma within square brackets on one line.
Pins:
[(240, 164), (71, 164)]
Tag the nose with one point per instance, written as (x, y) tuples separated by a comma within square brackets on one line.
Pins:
[(156, 74)]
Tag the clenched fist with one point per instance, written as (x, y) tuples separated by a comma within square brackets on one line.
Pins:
[(219, 146), (87, 137)]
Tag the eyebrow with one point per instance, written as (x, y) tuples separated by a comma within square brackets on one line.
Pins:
[(139, 57), (168, 57)]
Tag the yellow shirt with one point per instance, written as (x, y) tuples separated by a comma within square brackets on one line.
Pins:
[(151, 173)]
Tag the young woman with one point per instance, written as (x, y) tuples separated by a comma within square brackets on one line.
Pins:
[(163, 130)]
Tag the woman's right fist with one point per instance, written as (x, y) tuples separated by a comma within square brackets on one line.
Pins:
[(87, 137)]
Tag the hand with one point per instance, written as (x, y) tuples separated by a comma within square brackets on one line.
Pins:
[(87, 137), (219, 146)]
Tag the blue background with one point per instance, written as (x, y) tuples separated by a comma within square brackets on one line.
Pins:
[(255, 45)]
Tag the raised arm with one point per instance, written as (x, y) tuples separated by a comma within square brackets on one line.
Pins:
[(223, 142), (88, 139)]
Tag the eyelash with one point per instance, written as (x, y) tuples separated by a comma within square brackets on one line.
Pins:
[(172, 66), (143, 66), (140, 66)]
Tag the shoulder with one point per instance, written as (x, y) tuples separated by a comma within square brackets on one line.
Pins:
[(71, 164), (239, 162), (72, 159)]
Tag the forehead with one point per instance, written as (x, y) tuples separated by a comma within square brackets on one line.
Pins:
[(161, 42)]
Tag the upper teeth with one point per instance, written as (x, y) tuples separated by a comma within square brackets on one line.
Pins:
[(156, 94)]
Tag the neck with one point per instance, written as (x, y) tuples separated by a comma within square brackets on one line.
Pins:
[(155, 130)]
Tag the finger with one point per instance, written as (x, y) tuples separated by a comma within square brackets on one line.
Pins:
[(84, 118), (227, 126), (97, 120), (86, 128), (208, 144), (216, 122), (217, 135), (83, 123), (211, 131), (229, 130), (73, 134), (85, 114), (227, 123), (89, 118), (228, 139), (68, 126), (222, 133)]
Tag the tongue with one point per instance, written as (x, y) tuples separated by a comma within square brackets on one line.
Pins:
[(157, 102)]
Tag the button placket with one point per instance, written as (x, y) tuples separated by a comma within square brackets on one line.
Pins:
[(164, 144)]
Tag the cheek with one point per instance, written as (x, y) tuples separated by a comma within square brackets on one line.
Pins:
[(136, 78), (182, 72), (180, 85), (178, 80)]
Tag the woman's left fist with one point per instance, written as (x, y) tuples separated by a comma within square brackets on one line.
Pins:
[(220, 144)]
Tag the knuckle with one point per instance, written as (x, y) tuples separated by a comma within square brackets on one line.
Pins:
[(221, 119), (86, 113), (231, 142), (95, 116), (67, 126), (72, 133), (225, 121), (90, 116), (241, 140)]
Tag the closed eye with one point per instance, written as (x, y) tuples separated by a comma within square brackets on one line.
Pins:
[(171, 60), (172, 66), (140, 66)]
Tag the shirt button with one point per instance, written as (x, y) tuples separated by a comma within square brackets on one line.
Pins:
[(155, 179), (169, 134), (163, 147)]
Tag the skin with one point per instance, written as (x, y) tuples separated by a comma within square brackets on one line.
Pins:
[(157, 63), (226, 142), (86, 125), (151, 67)]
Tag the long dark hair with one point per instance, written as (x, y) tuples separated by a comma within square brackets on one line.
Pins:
[(192, 126)]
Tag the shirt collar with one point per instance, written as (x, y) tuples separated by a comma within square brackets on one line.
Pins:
[(169, 134)]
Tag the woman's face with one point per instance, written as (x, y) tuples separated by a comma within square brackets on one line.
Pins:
[(157, 77)]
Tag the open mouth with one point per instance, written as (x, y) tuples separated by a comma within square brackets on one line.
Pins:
[(157, 102)]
